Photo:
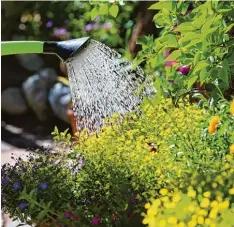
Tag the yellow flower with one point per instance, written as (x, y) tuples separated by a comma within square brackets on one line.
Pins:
[(213, 124), (232, 108), (162, 223), (172, 220), (181, 224), (231, 191), (191, 193), (213, 213), (163, 191), (231, 149), (206, 194), (200, 220), (228, 157), (146, 158), (205, 203), (176, 198), (147, 205)]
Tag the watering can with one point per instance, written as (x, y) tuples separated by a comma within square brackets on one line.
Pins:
[(63, 49)]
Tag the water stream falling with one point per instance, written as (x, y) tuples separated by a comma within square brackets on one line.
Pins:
[(102, 83)]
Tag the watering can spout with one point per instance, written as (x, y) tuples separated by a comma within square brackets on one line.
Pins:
[(65, 49)]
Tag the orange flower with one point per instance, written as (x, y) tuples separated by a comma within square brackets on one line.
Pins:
[(231, 149), (213, 124), (232, 108)]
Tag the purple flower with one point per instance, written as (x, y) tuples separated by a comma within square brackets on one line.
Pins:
[(60, 31), (67, 214), (36, 190), (107, 25), (43, 185), (5, 180), (170, 63), (75, 219), (17, 186), (86, 202), (88, 27), (133, 199), (95, 26), (96, 220), (184, 70), (22, 205), (49, 24)]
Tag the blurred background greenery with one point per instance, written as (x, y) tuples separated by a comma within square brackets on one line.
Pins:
[(52, 20)]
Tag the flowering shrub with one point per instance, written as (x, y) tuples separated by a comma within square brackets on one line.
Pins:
[(207, 201), (194, 53), (107, 178)]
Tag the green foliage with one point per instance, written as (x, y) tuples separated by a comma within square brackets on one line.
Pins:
[(112, 174), (106, 22), (197, 34)]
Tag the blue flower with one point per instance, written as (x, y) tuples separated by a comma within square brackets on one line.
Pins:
[(49, 24), (23, 205), (60, 32), (5, 180), (17, 186), (43, 185), (88, 27), (36, 190)]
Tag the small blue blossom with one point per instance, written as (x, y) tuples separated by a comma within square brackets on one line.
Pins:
[(133, 199), (5, 180), (49, 24), (43, 185), (88, 27), (23, 205), (60, 32), (36, 190), (17, 186)]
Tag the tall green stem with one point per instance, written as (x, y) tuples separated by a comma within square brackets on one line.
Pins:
[(21, 47)]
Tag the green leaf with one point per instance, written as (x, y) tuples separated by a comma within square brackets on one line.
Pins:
[(186, 26), (192, 81), (199, 66), (193, 42), (41, 215), (197, 57), (93, 13), (161, 5), (223, 128), (103, 9), (169, 40), (174, 55), (227, 29), (114, 10), (203, 75), (190, 36)]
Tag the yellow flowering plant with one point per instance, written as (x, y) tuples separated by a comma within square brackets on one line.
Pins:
[(207, 201)]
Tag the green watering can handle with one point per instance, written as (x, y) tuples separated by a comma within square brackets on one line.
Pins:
[(21, 47)]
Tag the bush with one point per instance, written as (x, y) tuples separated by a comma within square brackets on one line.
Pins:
[(108, 177), (207, 201), (194, 53)]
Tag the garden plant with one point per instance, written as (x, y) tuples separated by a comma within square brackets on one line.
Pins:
[(171, 163)]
